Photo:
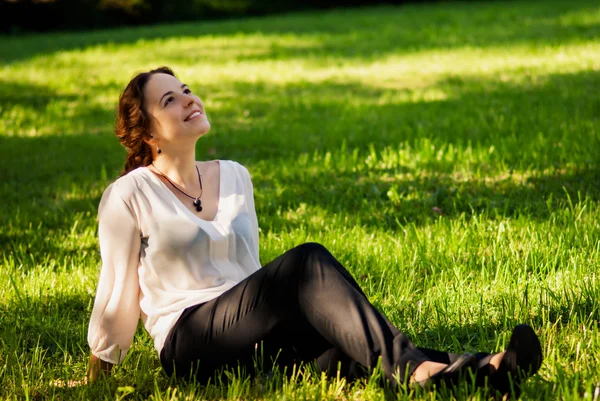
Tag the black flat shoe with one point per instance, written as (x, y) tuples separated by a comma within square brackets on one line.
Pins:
[(461, 370), (522, 359)]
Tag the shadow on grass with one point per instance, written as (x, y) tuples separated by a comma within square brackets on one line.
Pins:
[(37, 110), (66, 173), (354, 33), (557, 126), (26, 95), (545, 154), (49, 178), (55, 322), (369, 204)]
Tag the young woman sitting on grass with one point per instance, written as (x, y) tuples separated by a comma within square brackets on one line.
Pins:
[(179, 247)]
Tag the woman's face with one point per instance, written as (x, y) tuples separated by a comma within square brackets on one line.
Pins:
[(177, 115)]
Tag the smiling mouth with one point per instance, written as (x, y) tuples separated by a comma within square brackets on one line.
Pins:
[(193, 115)]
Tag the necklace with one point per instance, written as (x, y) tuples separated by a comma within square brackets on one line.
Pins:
[(197, 200)]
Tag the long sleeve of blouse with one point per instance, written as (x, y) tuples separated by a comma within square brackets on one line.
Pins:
[(159, 258), (117, 308)]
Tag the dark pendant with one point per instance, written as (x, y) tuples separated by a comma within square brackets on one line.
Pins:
[(198, 204)]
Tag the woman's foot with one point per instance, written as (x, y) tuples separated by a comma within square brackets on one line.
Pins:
[(503, 371), (521, 360)]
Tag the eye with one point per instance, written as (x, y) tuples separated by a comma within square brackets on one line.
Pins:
[(187, 91), (169, 100)]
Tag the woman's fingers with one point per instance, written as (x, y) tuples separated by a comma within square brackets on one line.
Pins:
[(69, 383)]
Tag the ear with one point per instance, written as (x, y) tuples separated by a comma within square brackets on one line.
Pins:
[(152, 141)]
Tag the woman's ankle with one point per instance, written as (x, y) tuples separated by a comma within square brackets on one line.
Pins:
[(496, 360), (425, 370)]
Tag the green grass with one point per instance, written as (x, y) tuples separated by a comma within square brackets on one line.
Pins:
[(447, 154)]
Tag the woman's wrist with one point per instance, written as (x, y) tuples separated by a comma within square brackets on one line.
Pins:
[(98, 367)]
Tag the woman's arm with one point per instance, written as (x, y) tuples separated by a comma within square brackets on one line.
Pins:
[(116, 309)]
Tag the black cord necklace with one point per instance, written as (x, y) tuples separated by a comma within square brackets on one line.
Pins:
[(197, 200)]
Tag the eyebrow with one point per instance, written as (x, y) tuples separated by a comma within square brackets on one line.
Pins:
[(170, 93)]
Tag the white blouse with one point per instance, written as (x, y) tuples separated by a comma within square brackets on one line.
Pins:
[(159, 258)]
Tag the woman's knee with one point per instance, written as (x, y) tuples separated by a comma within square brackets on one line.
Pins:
[(312, 254), (312, 248), (302, 255)]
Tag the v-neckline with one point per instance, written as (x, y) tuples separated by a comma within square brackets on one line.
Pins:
[(178, 201)]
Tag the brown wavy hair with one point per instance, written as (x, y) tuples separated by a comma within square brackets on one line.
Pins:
[(133, 121)]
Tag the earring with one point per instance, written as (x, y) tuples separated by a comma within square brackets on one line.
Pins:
[(159, 151)]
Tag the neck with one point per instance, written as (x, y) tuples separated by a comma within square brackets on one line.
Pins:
[(180, 168)]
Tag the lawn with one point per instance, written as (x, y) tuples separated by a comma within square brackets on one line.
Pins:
[(447, 155)]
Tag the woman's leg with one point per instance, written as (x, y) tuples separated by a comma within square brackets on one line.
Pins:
[(300, 293), (529, 354), (337, 356)]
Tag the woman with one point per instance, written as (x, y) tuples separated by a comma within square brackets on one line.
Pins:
[(179, 246)]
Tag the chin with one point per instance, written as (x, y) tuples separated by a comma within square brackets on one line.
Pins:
[(204, 128)]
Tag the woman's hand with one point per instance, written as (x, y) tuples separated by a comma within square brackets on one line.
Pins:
[(98, 367)]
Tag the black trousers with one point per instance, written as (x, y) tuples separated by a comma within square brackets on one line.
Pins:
[(302, 306)]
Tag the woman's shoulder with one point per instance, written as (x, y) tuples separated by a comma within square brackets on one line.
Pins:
[(240, 168), (231, 165), (126, 185)]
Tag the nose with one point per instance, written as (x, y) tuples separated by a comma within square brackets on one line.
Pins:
[(188, 99)]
